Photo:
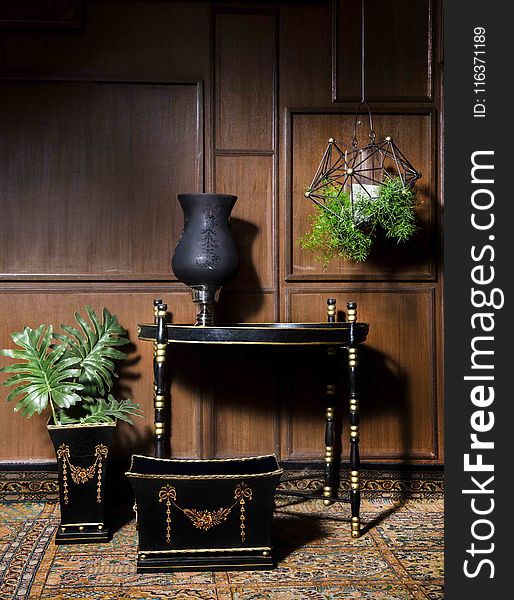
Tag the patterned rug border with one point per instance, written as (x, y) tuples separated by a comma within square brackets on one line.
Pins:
[(384, 484)]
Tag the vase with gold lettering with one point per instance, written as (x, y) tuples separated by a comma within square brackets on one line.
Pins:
[(206, 257)]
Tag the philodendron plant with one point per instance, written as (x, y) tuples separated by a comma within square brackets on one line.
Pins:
[(70, 372)]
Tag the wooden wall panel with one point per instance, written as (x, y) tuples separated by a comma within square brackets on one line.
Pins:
[(245, 402), (397, 61), (238, 386), (103, 126), (388, 260), (244, 45), (305, 78), (26, 439), (397, 383), (252, 222), (146, 39), (97, 168)]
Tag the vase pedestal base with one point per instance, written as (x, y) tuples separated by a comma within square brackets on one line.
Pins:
[(228, 560), (91, 533)]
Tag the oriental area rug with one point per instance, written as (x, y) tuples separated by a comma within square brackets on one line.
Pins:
[(399, 555)]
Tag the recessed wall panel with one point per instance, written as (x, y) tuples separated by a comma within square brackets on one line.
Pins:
[(244, 80), (252, 218), (395, 60), (23, 439), (90, 173), (388, 259), (397, 378)]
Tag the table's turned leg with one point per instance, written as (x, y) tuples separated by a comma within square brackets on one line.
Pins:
[(354, 427), (328, 488), (159, 368)]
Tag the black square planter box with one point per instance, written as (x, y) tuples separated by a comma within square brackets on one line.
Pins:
[(82, 451), (204, 514)]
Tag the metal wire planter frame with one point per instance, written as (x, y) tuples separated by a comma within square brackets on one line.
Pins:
[(344, 166)]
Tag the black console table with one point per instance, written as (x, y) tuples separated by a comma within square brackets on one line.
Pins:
[(336, 336)]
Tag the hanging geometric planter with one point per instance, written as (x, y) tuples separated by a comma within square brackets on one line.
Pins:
[(358, 189)]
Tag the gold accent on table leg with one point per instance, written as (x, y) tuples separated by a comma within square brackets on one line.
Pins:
[(354, 480), (352, 357), (159, 352), (159, 400), (157, 312), (354, 405), (331, 311), (351, 314), (356, 527), (354, 432), (327, 491)]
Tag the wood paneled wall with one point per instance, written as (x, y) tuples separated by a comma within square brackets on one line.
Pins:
[(103, 125)]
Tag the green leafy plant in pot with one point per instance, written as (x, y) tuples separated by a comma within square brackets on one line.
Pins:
[(71, 374), (345, 226)]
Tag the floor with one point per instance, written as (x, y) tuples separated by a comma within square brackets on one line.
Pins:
[(399, 556)]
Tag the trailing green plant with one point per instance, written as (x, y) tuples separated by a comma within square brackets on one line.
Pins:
[(333, 232), (339, 230), (69, 372), (393, 210)]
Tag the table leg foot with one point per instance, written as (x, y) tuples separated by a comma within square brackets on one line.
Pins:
[(327, 491), (356, 527)]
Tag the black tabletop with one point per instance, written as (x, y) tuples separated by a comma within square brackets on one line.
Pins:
[(296, 334)]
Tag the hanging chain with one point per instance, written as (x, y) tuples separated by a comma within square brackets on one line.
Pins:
[(363, 54)]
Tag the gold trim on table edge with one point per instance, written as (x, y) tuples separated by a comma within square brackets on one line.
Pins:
[(268, 326), (240, 342)]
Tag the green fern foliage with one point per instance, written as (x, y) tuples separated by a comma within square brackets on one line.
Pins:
[(339, 230), (394, 210), (333, 232)]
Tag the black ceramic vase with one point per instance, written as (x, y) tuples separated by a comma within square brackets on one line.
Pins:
[(82, 452), (206, 257)]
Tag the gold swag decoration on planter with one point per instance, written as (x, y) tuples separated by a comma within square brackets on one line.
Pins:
[(81, 475), (205, 519)]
